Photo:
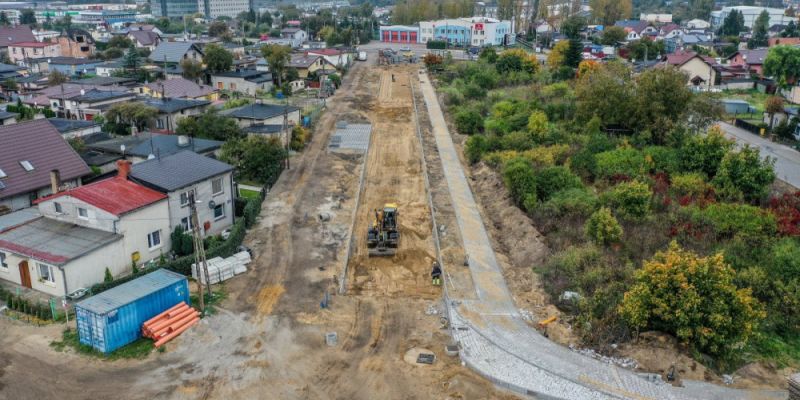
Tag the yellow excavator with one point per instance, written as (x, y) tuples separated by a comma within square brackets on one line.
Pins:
[(383, 236)]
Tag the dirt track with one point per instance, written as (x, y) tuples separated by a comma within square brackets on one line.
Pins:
[(267, 340)]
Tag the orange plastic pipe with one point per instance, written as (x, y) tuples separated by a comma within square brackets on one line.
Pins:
[(157, 317), (174, 325), (177, 332), (163, 318), (167, 321)]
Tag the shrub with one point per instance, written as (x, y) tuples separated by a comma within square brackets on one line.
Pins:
[(485, 79), (452, 96), (468, 122), (518, 141), (563, 270), (584, 162), (622, 162), (602, 228), (550, 180), (743, 174), (545, 156), (662, 159), (785, 260), (537, 125), (727, 220), (577, 202), (693, 298), (475, 147), (630, 199), (704, 153), (689, 184), (107, 277), (520, 180), (473, 91)]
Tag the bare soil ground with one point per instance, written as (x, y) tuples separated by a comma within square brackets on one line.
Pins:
[(267, 340)]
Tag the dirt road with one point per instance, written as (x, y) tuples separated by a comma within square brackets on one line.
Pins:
[(267, 341)]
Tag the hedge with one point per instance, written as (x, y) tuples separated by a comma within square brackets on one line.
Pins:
[(183, 265), (436, 44), (36, 309)]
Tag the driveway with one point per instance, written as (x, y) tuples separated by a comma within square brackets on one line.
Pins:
[(787, 160)]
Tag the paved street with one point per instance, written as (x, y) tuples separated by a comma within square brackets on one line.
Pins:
[(787, 160), (494, 339)]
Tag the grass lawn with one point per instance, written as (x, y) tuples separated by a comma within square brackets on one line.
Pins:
[(248, 194), (754, 97), (139, 349)]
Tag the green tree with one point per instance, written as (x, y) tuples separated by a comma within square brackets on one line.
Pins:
[(182, 244), (701, 8), (132, 60), (255, 157), (772, 106), (606, 93), (704, 153), (791, 30), (217, 59), (27, 17), (551, 180), (136, 114), (277, 57), (733, 24), (744, 174), (191, 69), (217, 29), (489, 54), (606, 12), (693, 298), (119, 42), (631, 199), (520, 179), (613, 35), (56, 77), (783, 64), (210, 125), (760, 35), (4, 19), (661, 101), (603, 228), (468, 121)]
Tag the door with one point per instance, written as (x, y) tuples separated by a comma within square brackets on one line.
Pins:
[(25, 274)]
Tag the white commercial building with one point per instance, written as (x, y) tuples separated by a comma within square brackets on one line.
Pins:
[(474, 31), (222, 8), (750, 13)]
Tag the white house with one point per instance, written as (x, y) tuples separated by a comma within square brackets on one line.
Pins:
[(110, 224), (296, 35)]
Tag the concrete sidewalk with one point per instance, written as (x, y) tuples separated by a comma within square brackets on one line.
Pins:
[(495, 340)]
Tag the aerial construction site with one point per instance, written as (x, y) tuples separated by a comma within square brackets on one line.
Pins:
[(339, 300)]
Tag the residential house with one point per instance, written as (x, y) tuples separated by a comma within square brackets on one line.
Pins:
[(40, 94), (46, 35), (670, 31), (10, 35), (140, 147), (76, 43), (186, 172), (307, 64), (636, 29), (296, 35), (73, 66), (8, 118), (171, 111), (237, 49), (337, 57), (144, 39), (175, 52), (109, 224), (88, 103), (247, 81), (38, 149), (73, 128), (19, 52), (179, 88), (109, 68), (264, 114), (8, 71), (700, 70), (753, 60), (109, 81)]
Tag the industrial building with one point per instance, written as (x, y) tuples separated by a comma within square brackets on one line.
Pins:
[(474, 31)]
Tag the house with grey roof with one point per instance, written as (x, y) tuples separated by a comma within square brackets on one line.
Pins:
[(72, 128), (179, 88), (41, 161), (87, 104), (186, 172), (296, 35), (140, 147), (144, 39), (8, 118), (109, 68), (171, 111), (175, 52), (264, 114), (247, 81)]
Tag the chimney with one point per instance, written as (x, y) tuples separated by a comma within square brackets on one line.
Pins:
[(123, 169), (55, 180)]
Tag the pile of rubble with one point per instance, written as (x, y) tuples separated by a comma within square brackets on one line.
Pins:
[(623, 362)]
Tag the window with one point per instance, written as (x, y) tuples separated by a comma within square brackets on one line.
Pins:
[(186, 224), (83, 213), (27, 165), (58, 208), (216, 186), (160, 123), (46, 273), (185, 198), (219, 211), (3, 263), (154, 239)]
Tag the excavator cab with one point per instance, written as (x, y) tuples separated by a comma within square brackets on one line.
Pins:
[(383, 237)]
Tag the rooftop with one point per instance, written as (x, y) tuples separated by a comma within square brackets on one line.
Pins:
[(16, 218), (15, 34), (95, 95), (6, 115), (71, 61), (116, 195), (107, 81), (54, 242), (146, 144), (180, 87), (177, 170), (65, 125), (128, 292), (41, 145), (169, 105), (259, 111), (172, 51), (264, 129)]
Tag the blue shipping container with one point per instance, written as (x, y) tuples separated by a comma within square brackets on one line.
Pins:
[(114, 318)]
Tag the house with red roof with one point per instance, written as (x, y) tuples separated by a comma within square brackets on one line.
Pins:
[(701, 70), (81, 232)]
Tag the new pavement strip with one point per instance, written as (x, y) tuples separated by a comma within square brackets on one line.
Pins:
[(496, 342)]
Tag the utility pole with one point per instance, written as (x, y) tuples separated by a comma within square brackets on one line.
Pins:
[(199, 254), (286, 129)]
